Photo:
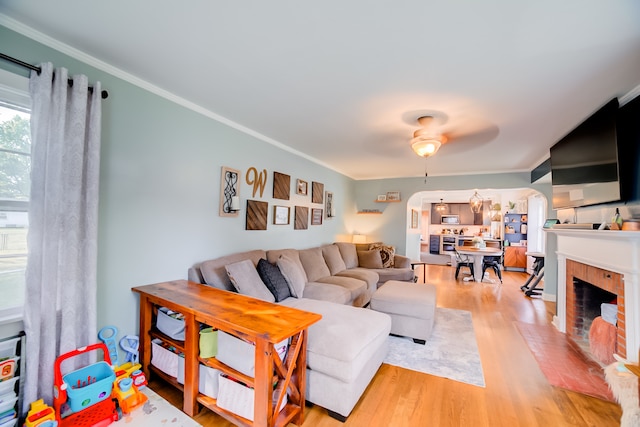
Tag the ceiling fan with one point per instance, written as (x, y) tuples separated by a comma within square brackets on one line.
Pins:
[(436, 130), (426, 142)]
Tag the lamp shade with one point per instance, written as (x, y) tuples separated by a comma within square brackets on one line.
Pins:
[(359, 238)]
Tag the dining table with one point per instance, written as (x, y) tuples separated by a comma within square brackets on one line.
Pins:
[(478, 255)]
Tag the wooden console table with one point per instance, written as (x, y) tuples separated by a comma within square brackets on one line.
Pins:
[(259, 322)]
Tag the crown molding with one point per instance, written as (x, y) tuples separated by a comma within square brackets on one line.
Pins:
[(632, 94), (74, 53)]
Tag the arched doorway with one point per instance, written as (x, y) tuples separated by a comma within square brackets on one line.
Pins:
[(420, 241)]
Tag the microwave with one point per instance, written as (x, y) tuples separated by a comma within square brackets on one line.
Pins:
[(450, 219)]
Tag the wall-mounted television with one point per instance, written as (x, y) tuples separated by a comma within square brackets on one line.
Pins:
[(584, 163)]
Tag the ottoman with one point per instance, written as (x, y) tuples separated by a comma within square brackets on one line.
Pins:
[(411, 306)]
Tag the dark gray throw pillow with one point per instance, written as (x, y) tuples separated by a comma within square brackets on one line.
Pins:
[(273, 279)]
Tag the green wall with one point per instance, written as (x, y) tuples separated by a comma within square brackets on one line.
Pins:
[(160, 182)]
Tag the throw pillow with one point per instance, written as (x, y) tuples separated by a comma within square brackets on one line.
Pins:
[(293, 275), (387, 253), (333, 258), (273, 278), (246, 280), (370, 259)]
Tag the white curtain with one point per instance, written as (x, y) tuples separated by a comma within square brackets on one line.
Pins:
[(60, 303)]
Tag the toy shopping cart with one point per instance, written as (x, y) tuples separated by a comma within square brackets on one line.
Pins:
[(82, 398)]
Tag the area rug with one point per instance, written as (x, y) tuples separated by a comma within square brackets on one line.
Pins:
[(450, 352), (156, 412), (563, 362)]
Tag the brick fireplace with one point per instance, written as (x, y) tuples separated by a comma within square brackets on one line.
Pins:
[(587, 287), (609, 261)]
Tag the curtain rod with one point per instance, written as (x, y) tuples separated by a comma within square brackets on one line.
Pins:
[(23, 64)]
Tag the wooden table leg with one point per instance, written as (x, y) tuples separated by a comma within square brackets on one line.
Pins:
[(146, 312), (191, 365), (263, 411)]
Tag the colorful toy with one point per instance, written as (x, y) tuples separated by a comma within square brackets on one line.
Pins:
[(83, 397), (128, 395), (40, 415), (139, 379), (130, 344), (108, 336)]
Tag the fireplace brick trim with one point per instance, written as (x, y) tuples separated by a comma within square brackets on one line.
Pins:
[(604, 279)]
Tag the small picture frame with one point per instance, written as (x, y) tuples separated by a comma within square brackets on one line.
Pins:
[(381, 198), (281, 215), (414, 218), (301, 187), (316, 216), (393, 196)]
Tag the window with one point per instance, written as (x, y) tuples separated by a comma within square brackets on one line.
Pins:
[(15, 165)]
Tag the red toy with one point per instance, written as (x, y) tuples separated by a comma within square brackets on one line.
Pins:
[(98, 409)]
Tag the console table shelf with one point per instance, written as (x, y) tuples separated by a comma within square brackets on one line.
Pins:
[(262, 323)]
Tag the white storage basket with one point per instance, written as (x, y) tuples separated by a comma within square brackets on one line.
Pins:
[(172, 327), (240, 355)]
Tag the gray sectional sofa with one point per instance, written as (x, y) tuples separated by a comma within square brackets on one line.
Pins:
[(347, 346)]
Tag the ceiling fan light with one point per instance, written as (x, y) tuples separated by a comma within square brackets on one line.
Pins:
[(425, 146)]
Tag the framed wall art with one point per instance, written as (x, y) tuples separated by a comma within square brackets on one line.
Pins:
[(414, 218), (229, 188), (317, 192), (316, 216), (301, 221), (281, 215), (301, 187), (393, 196), (281, 186), (256, 215), (328, 204)]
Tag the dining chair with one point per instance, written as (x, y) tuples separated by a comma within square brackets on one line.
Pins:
[(463, 261)]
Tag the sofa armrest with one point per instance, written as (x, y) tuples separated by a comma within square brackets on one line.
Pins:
[(401, 261)]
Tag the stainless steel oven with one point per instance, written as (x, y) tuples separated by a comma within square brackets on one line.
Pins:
[(447, 243)]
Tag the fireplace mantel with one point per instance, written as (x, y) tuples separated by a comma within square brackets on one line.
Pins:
[(617, 251)]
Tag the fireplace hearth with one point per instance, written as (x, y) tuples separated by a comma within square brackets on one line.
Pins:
[(588, 287), (607, 260)]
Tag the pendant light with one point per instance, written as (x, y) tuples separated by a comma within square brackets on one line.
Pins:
[(442, 207), (475, 203)]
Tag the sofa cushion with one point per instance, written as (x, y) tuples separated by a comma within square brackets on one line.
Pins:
[(327, 292), (313, 263), (370, 277), (387, 253), (357, 288), (213, 271), (247, 281), (273, 279), (334, 260), (338, 351), (369, 259), (402, 274), (274, 255), (349, 254), (294, 275)]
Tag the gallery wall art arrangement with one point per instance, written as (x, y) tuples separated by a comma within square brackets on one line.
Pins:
[(257, 212)]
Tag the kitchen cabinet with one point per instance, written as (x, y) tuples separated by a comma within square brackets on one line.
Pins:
[(434, 244), (467, 216), (515, 258)]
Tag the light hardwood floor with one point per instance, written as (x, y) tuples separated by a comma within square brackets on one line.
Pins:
[(516, 392)]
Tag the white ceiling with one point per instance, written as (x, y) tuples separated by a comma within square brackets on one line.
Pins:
[(343, 82)]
